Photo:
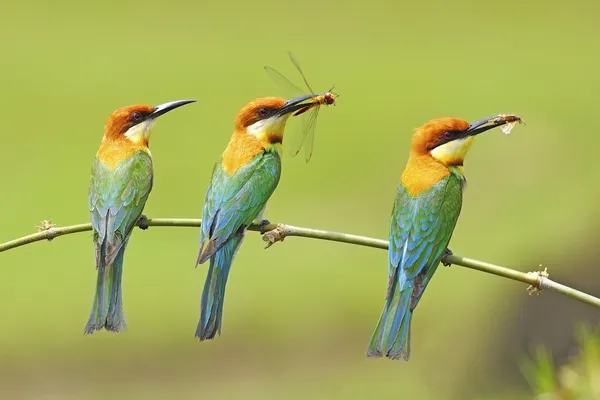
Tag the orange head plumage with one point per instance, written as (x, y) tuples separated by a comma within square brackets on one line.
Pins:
[(438, 133), (255, 115), (135, 122), (124, 118), (128, 129), (439, 144), (259, 126)]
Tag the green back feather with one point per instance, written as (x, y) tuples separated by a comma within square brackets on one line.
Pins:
[(116, 200)]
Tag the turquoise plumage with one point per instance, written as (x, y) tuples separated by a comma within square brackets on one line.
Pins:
[(425, 212), (242, 182), (421, 229), (121, 182), (116, 199), (232, 203)]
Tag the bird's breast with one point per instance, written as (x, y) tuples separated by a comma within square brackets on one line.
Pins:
[(112, 153), (421, 173), (242, 148)]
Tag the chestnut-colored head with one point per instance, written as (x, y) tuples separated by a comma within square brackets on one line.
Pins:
[(448, 140), (135, 122), (266, 117)]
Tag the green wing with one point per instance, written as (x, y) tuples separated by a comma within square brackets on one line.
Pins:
[(234, 201), (420, 232), (116, 200)]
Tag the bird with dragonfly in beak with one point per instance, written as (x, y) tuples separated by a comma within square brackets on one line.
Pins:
[(243, 180)]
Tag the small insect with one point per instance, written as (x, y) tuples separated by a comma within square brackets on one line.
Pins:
[(510, 120), (306, 137)]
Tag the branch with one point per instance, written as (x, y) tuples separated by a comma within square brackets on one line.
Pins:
[(273, 233)]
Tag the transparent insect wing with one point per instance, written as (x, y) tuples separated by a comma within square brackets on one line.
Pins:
[(298, 136), (286, 85), (508, 127), (309, 132), (297, 65), (303, 135)]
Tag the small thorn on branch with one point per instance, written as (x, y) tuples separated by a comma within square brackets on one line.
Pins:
[(275, 235), (541, 277)]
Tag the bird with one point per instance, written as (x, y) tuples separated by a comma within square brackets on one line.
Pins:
[(122, 178), (242, 181), (426, 209)]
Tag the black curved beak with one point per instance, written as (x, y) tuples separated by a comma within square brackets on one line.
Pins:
[(166, 107), (477, 127), (293, 105)]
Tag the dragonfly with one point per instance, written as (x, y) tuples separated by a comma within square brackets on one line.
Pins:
[(306, 137)]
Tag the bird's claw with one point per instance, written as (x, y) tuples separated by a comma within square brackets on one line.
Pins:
[(143, 222), (263, 226), (447, 252)]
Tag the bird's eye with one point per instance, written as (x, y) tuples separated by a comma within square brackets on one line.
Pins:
[(262, 112), (447, 135), (136, 116)]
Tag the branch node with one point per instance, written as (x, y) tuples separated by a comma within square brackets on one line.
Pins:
[(541, 284), (275, 235), (46, 226)]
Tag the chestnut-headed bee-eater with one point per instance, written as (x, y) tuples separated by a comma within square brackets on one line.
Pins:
[(120, 184), (424, 215), (242, 181)]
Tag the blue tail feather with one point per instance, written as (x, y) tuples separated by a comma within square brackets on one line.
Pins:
[(391, 337), (107, 308), (213, 295)]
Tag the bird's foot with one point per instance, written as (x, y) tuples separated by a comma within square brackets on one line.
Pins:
[(263, 226), (448, 252), (143, 222)]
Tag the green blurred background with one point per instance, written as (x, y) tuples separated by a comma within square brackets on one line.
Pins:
[(299, 315)]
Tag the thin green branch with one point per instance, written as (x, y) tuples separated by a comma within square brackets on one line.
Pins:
[(274, 233)]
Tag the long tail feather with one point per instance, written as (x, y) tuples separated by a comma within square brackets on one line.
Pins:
[(107, 308), (392, 334), (213, 295)]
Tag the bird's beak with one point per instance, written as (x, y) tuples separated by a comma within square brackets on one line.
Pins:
[(477, 127), (294, 105), (166, 107)]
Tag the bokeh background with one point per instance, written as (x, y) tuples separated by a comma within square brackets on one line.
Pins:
[(299, 315)]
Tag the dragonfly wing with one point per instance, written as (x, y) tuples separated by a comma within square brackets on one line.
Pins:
[(303, 135), (285, 84), (297, 65), (309, 132)]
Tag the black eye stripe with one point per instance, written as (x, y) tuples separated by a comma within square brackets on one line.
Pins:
[(264, 112), (445, 137), (260, 114), (137, 116), (450, 135)]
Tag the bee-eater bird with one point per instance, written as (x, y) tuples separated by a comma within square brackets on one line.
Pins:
[(424, 215), (242, 181), (120, 184)]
